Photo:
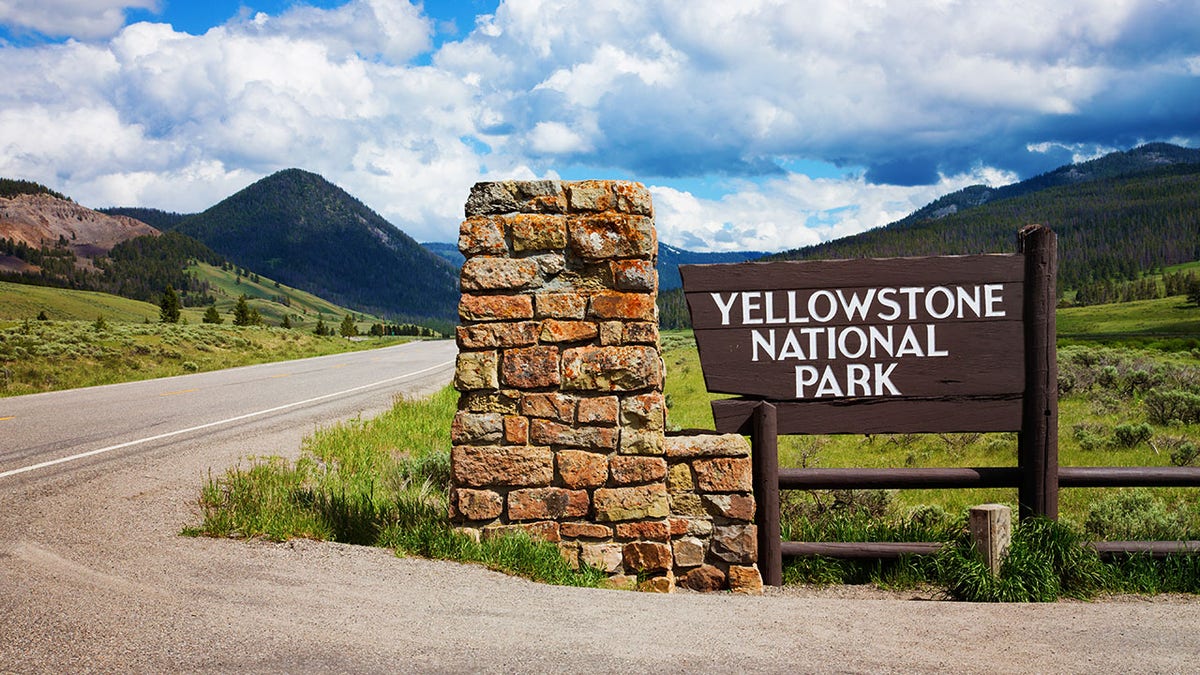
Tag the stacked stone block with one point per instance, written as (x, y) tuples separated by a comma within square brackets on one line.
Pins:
[(714, 539), (560, 428)]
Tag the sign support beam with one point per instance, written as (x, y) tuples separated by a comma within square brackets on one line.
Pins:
[(1037, 447)]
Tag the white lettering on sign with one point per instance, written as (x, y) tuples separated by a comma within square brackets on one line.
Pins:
[(903, 326)]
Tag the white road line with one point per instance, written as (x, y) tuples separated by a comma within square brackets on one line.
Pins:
[(89, 453)]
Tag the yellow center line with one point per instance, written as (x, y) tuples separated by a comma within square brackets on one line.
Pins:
[(181, 391), (276, 377), (340, 365), (5, 419)]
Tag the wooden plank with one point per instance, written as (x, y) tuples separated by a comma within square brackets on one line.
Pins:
[(860, 549), (769, 306), (899, 479), (765, 455), (931, 270), (1128, 476), (1037, 445), (877, 416), (981, 360)]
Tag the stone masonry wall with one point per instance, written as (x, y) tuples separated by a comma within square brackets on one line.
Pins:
[(560, 428)]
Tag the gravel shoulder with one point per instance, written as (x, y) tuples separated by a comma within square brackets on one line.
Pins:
[(94, 577)]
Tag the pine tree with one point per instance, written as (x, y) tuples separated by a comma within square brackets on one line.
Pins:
[(348, 329), (241, 312), (168, 306), (1193, 292), (287, 321), (321, 328), (211, 315)]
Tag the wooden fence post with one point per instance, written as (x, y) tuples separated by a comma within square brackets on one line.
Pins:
[(765, 451), (1038, 444)]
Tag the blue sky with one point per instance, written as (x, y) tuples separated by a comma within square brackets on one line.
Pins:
[(760, 124)]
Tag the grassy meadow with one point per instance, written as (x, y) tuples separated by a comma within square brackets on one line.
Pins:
[(89, 338)]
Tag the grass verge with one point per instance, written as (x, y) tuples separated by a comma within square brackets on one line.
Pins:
[(40, 356), (378, 482)]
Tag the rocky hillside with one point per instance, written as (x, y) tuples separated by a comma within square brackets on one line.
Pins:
[(38, 220)]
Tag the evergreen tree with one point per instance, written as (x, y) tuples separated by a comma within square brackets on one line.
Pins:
[(348, 329), (241, 312), (168, 306), (1193, 293), (321, 328), (287, 321), (211, 315)]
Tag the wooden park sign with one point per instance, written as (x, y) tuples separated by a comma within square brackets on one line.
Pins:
[(900, 345)]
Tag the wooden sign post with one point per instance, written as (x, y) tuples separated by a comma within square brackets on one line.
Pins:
[(900, 345)]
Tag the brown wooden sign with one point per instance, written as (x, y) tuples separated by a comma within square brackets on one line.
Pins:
[(863, 331), (899, 345)]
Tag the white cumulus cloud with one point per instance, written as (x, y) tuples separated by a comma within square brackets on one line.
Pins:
[(84, 19)]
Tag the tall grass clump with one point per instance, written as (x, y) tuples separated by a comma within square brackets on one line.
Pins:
[(379, 482), (1046, 561)]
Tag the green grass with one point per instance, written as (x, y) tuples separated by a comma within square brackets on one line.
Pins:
[(1166, 324), (378, 482), (39, 356), (22, 301)]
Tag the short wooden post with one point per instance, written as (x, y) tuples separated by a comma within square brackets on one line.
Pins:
[(764, 447), (991, 532), (1037, 447)]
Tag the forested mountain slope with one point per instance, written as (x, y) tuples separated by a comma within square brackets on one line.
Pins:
[(1109, 228), (302, 230)]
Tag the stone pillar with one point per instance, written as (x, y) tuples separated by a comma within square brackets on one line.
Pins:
[(560, 428)]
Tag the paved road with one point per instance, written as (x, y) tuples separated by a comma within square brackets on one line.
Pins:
[(82, 425), (94, 577)]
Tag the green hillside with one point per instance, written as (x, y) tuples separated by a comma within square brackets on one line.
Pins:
[(22, 301), (271, 299)]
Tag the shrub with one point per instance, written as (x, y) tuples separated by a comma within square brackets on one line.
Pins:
[(1164, 406), (1184, 452), (1131, 514), (1090, 436), (1131, 435)]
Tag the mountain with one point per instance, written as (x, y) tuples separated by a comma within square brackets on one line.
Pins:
[(1141, 159), (449, 252), (670, 258), (300, 229), (1114, 217)]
